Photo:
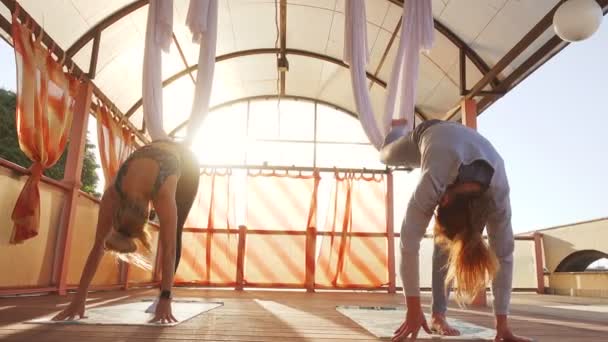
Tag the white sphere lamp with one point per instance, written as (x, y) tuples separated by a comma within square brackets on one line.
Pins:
[(577, 20)]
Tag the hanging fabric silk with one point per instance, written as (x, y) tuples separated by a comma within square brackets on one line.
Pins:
[(417, 33), (159, 30), (202, 22)]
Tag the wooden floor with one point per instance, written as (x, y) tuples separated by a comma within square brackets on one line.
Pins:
[(293, 316)]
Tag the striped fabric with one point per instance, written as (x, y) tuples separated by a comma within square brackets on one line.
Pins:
[(45, 105), (115, 143)]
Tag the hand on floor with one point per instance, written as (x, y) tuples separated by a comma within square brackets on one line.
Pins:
[(414, 320), (163, 312), (76, 308)]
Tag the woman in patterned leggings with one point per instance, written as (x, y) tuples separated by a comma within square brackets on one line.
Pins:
[(165, 174)]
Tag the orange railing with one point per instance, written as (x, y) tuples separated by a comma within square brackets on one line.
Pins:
[(309, 254)]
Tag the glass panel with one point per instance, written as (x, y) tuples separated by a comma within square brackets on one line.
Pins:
[(222, 138), (348, 156), (263, 120), (297, 120), (335, 125)]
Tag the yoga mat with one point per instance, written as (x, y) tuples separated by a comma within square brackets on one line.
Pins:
[(383, 321), (134, 313)]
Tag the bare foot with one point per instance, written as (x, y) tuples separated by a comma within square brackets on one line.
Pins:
[(439, 325)]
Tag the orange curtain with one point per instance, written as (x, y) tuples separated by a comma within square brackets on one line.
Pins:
[(285, 203), (115, 142), (209, 257), (281, 201), (357, 205), (45, 104)]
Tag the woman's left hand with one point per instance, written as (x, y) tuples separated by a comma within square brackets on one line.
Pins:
[(163, 312), (414, 320)]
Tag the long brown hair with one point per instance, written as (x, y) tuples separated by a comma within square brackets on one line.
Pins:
[(470, 259)]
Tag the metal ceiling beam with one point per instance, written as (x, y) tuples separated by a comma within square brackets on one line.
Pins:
[(268, 97), (94, 55), (182, 56), (250, 53), (103, 24), (5, 25), (520, 47), (54, 48), (283, 43), (535, 61)]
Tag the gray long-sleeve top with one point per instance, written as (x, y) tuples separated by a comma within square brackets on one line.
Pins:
[(439, 149)]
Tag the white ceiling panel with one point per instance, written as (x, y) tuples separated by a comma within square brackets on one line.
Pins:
[(443, 98), (468, 18), (52, 14), (302, 35), (490, 27), (93, 12), (304, 76), (502, 33), (253, 24)]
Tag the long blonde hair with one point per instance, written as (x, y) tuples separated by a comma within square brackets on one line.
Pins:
[(469, 258), (130, 225)]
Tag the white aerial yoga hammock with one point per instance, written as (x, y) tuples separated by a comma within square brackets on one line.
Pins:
[(417, 33), (159, 29), (202, 22)]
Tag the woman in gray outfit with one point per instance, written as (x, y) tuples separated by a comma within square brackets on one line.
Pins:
[(463, 182)]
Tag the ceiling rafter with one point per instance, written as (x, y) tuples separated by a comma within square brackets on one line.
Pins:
[(283, 45), (104, 24), (532, 63), (251, 52), (545, 52)]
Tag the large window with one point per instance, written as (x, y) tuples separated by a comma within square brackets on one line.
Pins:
[(284, 133)]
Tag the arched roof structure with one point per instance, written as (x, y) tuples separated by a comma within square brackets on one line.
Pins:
[(482, 49)]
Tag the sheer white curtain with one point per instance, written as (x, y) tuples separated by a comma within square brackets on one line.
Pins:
[(417, 33), (202, 22)]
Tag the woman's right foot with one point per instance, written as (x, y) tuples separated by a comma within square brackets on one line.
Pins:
[(439, 325)]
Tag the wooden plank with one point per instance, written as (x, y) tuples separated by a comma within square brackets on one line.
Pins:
[(293, 316)]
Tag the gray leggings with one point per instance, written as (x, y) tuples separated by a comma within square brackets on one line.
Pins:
[(440, 271)]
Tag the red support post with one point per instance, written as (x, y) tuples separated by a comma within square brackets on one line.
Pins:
[(540, 264), (311, 262), (469, 113), (73, 170), (390, 234), (240, 258)]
